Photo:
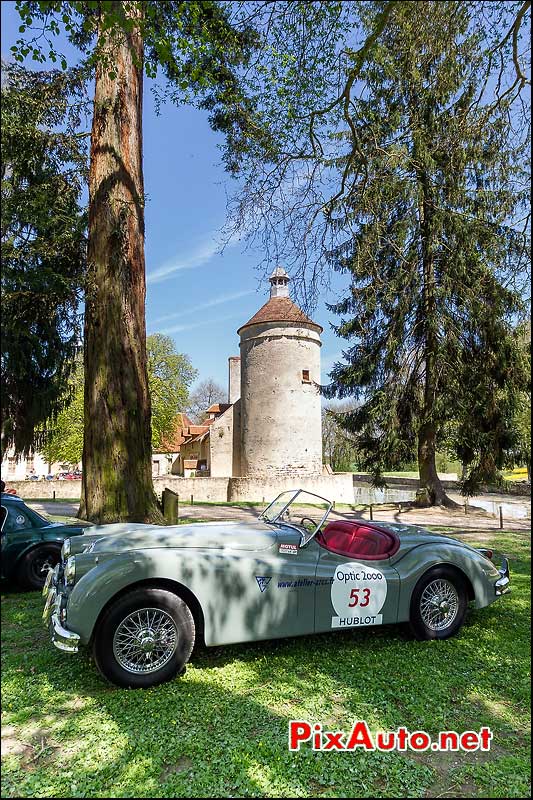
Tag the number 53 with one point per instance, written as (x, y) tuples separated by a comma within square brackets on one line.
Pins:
[(354, 598)]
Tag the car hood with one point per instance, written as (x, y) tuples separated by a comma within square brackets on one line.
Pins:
[(211, 535), (70, 529)]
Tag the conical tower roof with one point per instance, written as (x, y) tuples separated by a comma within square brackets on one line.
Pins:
[(280, 309)]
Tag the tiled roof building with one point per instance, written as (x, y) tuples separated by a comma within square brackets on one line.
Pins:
[(271, 425)]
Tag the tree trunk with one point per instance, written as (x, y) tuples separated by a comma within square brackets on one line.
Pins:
[(432, 491), (117, 462)]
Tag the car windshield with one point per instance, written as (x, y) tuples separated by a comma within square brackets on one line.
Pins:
[(304, 511)]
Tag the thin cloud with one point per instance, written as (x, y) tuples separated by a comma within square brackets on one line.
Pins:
[(197, 258), (217, 301), (201, 324)]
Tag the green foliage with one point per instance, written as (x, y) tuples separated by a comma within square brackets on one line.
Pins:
[(522, 421), (169, 376), (196, 47), (43, 244), (430, 250), (338, 447), (161, 742), (307, 76), (493, 435), (63, 439)]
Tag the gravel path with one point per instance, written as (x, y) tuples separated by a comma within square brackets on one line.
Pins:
[(475, 519)]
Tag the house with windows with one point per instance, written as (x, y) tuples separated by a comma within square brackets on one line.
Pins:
[(195, 452), (32, 467)]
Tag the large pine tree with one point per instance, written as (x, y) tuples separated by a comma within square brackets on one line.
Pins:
[(431, 245), (44, 164), (198, 50)]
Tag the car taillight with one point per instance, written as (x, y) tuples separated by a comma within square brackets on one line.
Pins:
[(487, 553)]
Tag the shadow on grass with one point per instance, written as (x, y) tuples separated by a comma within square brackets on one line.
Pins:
[(221, 730)]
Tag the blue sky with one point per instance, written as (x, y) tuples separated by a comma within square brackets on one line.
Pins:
[(194, 294)]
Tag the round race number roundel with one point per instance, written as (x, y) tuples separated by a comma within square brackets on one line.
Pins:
[(358, 593)]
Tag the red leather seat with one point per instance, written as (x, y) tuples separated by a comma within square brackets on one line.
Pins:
[(356, 540)]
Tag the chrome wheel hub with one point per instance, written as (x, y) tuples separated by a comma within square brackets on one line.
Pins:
[(439, 604), (145, 641)]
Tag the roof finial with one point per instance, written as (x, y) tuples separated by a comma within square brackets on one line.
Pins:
[(279, 283)]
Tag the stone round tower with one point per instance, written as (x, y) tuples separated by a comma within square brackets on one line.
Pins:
[(281, 427)]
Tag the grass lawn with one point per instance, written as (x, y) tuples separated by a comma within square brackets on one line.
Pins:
[(221, 729), (517, 474)]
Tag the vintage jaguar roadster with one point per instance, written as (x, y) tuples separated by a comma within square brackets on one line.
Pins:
[(141, 595)]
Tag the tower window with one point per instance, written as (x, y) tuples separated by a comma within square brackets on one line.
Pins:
[(305, 376)]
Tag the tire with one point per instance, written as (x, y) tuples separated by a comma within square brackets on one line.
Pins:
[(30, 572), (144, 638), (427, 619)]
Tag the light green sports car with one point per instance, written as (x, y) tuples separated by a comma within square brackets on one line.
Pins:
[(141, 595)]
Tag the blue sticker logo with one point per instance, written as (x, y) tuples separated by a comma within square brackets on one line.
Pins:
[(262, 582)]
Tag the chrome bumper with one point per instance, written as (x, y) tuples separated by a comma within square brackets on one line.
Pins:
[(51, 579), (502, 584), (62, 638)]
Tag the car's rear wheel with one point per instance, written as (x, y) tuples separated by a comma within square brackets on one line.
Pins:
[(35, 565), (438, 604), (144, 638)]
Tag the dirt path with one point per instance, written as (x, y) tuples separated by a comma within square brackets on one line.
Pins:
[(474, 520)]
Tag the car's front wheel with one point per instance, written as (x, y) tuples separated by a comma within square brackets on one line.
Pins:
[(438, 604), (144, 638), (36, 564)]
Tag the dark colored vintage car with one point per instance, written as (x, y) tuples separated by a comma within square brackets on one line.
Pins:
[(31, 544)]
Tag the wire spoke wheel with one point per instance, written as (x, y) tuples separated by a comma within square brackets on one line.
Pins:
[(145, 641), (439, 604)]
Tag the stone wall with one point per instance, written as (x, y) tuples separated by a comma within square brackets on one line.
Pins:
[(343, 487), (221, 445), (337, 487), (45, 489), (236, 470), (213, 490)]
